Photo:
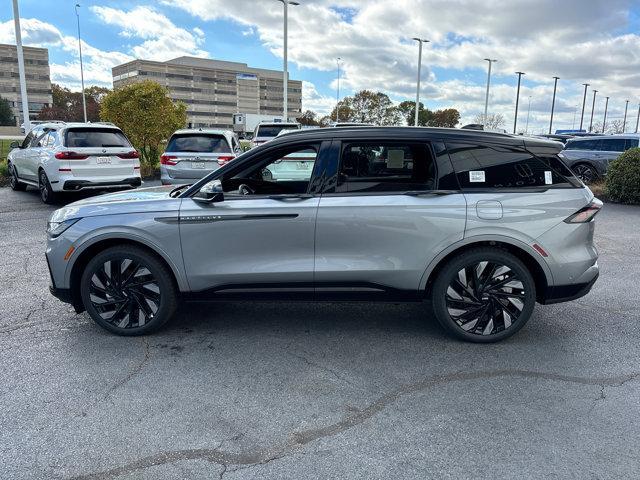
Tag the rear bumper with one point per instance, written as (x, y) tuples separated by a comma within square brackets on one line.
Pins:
[(566, 293), (75, 185)]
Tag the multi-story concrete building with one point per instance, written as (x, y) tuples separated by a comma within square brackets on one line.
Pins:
[(214, 90), (36, 66)]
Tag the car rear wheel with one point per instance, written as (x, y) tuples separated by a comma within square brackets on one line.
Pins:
[(483, 295), (13, 180), (47, 195), (128, 291), (586, 173)]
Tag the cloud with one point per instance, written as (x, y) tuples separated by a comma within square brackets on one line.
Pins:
[(313, 100)]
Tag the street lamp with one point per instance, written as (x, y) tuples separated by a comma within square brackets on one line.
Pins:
[(553, 102), (420, 42), (23, 82), (584, 101), (624, 122), (84, 102), (593, 106), (486, 100), (338, 92), (638, 119), (285, 73), (515, 120), (604, 122), (526, 130)]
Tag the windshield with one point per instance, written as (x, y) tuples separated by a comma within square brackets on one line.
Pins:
[(98, 137), (198, 142), (273, 130)]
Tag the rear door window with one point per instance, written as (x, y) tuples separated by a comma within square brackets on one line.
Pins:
[(612, 144), (95, 138), (631, 143), (582, 145), (198, 143)]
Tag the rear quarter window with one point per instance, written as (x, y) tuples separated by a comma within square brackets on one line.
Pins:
[(198, 143), (95, 138)]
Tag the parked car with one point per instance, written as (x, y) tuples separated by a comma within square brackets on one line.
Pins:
[(192, 154), (266, 131), (557, 137), (482, 224), (67, 157), (589, 157)]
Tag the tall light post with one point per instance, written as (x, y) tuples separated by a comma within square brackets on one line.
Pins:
[(584, 101), (593, 106), (285, 73), (624, 122), (515, 120), (553, 102), (486, 99), (84, 101), (606, 108), (420, 42), (338, 92), (23, 81), (638, 119), (526, 130)]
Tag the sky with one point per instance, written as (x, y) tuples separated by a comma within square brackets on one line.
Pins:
[(580, 41)]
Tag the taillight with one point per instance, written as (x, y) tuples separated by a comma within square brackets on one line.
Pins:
[(129, 155), (585, 214), (225, 159), (70, 156), (168, 160)]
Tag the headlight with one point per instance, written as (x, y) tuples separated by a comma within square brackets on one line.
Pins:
[(55, 229)]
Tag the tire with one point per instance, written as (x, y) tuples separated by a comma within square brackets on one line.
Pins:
[(488, 309), (139, 301), (15, 184), (586, 173), (47, 195)]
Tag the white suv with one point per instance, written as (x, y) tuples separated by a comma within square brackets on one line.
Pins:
[(57, 157)]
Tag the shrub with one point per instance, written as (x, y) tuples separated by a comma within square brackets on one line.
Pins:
[(623, 178)]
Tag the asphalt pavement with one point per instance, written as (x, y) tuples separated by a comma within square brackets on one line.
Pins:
[(315, 391)]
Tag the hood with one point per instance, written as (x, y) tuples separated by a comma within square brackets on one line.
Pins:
[(153, 199)]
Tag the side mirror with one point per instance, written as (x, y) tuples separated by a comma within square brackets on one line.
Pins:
[(210, 193), (13, 145)]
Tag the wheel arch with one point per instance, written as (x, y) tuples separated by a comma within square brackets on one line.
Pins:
[(540, 271)]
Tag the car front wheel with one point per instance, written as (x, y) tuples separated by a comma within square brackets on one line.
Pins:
[(13, 179), (128, 291), (47, 195), (483, 295)]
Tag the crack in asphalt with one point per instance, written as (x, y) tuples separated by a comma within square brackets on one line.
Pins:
[(133, 372), (299, 439), (322, 367)]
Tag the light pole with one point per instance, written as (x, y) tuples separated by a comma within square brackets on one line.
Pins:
[(593, 106), (624, 122), (515, 120), (84, 101), (486, 99), (584, 101), (553, 102), (575, 112), (526, 130), (23, 82), (338, 92), (604, 122), (420, 42), (285, 73), (638, 119)]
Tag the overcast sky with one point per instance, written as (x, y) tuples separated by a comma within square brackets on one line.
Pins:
[(581, 41)]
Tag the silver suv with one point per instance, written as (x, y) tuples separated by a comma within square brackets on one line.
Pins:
[(589, 157), (484, 225)]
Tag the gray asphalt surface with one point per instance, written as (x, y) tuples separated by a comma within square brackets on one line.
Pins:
[(292, 391)]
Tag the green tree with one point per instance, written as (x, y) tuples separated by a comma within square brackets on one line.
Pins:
[(309, 118), (6, 115), (449, 118), (368, 107), (67, 105), (146, 114)]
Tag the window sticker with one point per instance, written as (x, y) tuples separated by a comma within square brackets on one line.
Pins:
[(395, 159), (548, 179), (476, 176)]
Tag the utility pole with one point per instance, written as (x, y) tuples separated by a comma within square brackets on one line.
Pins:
[(84, 101), (624, 122), (285, 73), (638, 119), (593, 106), (515, 120), (420, 42), (338, 92), (604, 122), (486, 99), (553, 102), (526, 130), (23, 82), (584, 101)]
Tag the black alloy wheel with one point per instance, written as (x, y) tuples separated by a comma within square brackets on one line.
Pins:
[(586, 173)]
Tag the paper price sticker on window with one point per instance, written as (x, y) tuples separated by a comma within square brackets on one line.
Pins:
[(548, 179), (476, 176)]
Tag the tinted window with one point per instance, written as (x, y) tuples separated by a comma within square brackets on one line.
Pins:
[(612, 144), (200, 143), (582, 145), (385, 167), (493, 166), (98, 137), (630, 143), (273, 130)]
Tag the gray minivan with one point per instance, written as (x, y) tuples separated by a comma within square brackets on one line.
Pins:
[(589, 157)]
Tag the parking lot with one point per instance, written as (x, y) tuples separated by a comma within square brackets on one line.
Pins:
[(298, 390)]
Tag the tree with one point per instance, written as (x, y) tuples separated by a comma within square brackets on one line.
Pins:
[(368, 107), (6, 115), (449, 118), (426, 118), (146, 114), (309, 118), (67, 105), (494, 121)]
